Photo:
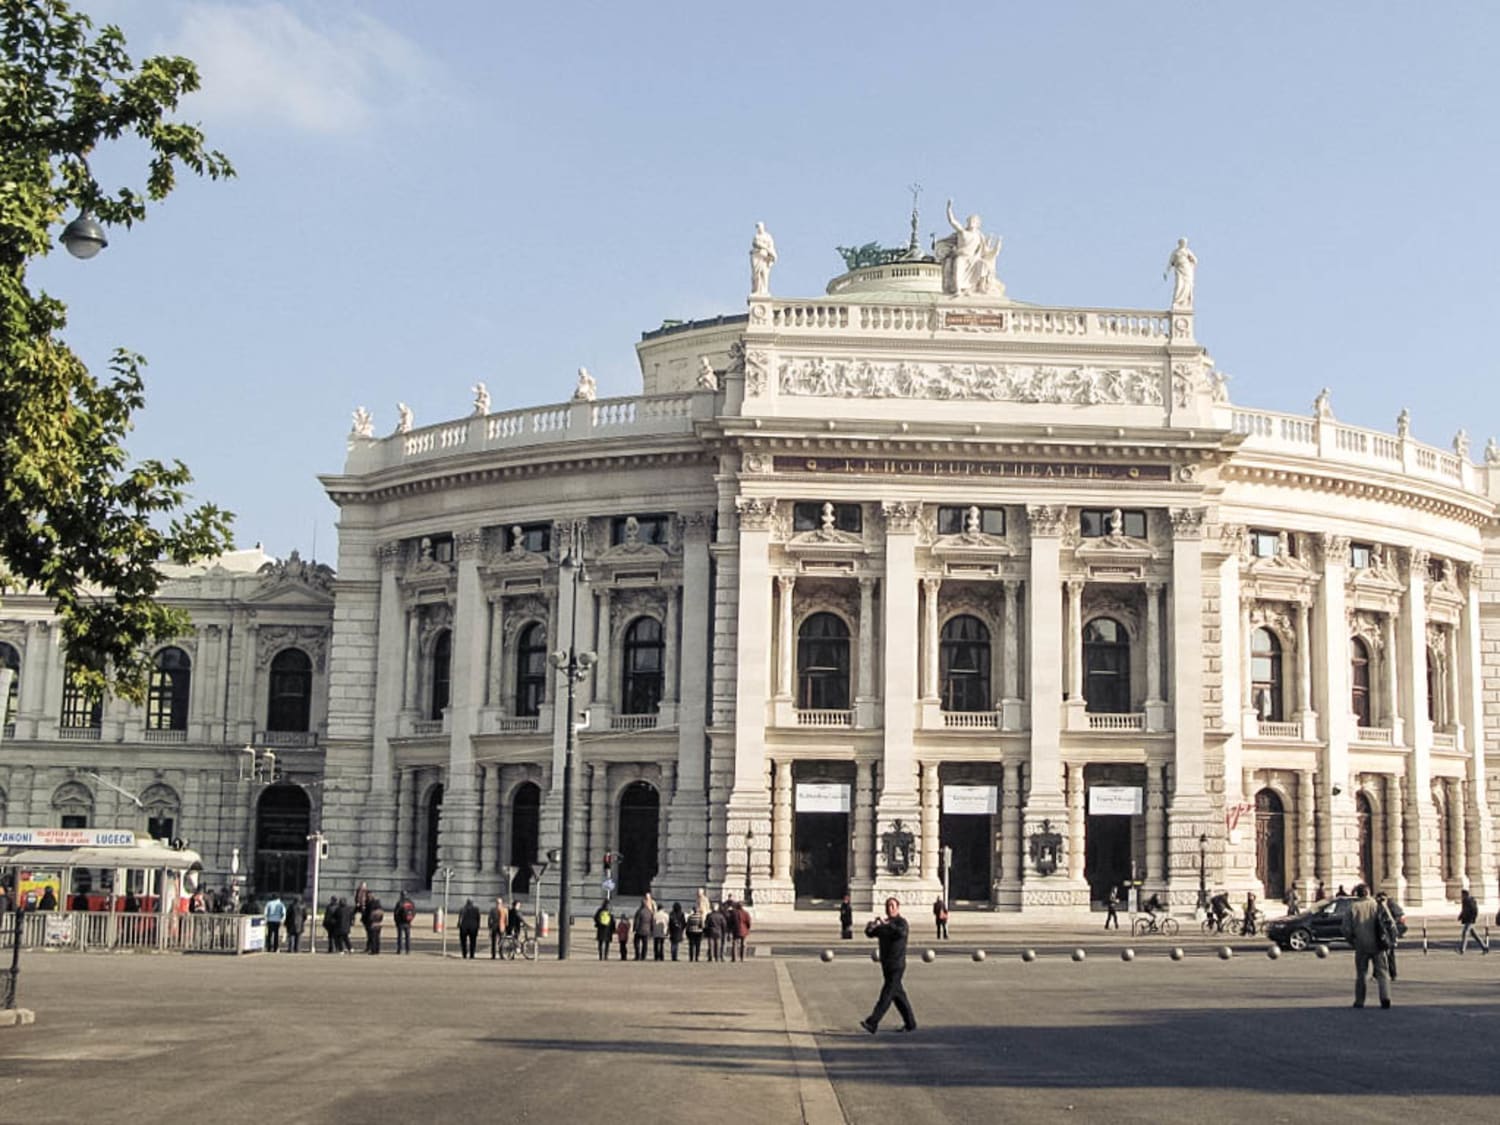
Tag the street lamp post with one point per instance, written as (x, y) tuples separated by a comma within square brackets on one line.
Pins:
[(1203, 871), (749, 866), (574, 666)]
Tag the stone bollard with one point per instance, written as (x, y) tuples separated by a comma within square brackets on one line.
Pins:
[(875, 955), (1177, 954), (1028, 955), (826, 956), (1322, 951), (929, 956), (979, 955), (1127, 955), (1079, 955), (1225, 953), (1273, 952), (1424, 937)]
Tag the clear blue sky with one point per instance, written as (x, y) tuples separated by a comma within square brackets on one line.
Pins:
[(431, 194)]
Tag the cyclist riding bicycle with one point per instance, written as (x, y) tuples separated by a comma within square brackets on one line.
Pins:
[(1218, 909), (1153, 905)]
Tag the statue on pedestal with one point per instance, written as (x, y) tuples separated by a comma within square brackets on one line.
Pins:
[(1183, 265), (708, 380), (403, 418), (762, 258), (364, 423), (967, 257), (587, 390), (481, 400)]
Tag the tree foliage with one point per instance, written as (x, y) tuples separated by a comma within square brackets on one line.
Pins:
[(79, 523)]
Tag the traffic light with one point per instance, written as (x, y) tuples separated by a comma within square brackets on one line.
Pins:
[(609, 861)]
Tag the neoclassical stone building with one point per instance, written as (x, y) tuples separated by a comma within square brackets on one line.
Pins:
[(907, 570)]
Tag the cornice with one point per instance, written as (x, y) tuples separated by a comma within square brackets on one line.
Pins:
[(1475, 511)]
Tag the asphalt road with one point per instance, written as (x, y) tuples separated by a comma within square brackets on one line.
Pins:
[(152, 1038)]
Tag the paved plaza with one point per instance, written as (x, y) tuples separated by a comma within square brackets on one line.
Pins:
[(335, 1039)]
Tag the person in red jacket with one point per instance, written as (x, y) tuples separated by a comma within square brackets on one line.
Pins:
[(739, 930)]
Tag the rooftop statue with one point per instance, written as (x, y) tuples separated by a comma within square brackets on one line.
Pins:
[(481, 400), (1183, 265), (968, 258), (403, 418), (762, 258), (364, 423), (1491, 452), (1323, 404), (587, 390), (1403, 423), (708, 380), (1461, 443)]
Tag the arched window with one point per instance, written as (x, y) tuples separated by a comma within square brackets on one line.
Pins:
[(1265, 675), (289, 706), (964, 664), (531, 669), (167, 694), (823, 663), (1359, 681), (1106, 666), (82, 708), (442, 674), (10, 658), (641, 682)]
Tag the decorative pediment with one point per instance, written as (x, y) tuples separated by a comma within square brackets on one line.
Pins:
[(1375, 587), (311, 639), (1445, 600), (1277, 618), (294, 572), (971, 543)]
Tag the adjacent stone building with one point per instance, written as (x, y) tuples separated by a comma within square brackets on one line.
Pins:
[(904, 572)]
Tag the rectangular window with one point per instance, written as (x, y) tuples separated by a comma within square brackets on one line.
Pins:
[(442, 548), (650, 529), (809, 515), (1097, 523), (535, 538), (1435, 569), (1264, 544), (955, 520), (81, 708), (1359, 556)]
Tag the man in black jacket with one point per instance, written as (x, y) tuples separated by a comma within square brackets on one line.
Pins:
[(890, 931), (468, 929)]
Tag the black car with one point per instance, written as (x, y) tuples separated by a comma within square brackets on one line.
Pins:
[(1322, 924)]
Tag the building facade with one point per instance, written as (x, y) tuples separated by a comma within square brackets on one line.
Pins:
[(903, 583)]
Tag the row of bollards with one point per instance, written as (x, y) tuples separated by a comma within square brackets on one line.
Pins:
[(1177, 953)]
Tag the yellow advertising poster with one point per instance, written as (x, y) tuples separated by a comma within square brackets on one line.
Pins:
[(31, 888)]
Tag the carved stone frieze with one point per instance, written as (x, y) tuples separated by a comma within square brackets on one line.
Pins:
[(626, 605), (1234, 538), (1276, 617), (757, 372), (1047, 520), (293, 571), (755, 512), (1187, 523), (468, 544), (1083, 386), (311, 639), (901, 515), (756, 462)]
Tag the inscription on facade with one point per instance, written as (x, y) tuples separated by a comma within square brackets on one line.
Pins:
[(905, 467)]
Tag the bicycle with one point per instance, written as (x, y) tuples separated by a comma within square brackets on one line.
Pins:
[(525, 945), (1145, 924)]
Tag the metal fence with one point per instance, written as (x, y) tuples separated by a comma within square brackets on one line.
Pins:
[(91, 931)]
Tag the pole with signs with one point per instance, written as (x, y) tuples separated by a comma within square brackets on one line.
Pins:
[(318, 845), (447, 878)]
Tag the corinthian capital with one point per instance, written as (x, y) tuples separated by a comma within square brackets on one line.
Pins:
[(1187, 523), (1047, 520), (755, 512), (901, 515)]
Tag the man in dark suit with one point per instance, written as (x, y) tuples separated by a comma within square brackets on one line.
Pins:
[(891, 932)]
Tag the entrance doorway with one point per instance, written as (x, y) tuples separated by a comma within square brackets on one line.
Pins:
[(1270, 843), (282, 821), (640, 829), (1114, 826), (972, 841), (820, 842), (525, 833), (1107, 854)]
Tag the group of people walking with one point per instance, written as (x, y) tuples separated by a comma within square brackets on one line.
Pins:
[(339, 916), (504, 921), (718, 926)]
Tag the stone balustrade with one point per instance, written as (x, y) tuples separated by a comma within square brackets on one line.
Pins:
[(824, 718), (925, 319), (971, 720), (1106, 721)]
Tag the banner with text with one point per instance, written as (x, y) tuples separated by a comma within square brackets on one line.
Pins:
[(1116, 800), (975, 800), (823, 796)]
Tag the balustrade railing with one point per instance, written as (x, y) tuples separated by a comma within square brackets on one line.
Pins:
[(525, 724), (1373, 736), (79, 734), (164, 736), (1444, 741), (1279, 730), (1101, 720), (971, 720), (632, 722), (825, 718)]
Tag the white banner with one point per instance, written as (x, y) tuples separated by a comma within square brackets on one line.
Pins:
[(978, 800), (66, 838), (823, 796), (1116, 800)]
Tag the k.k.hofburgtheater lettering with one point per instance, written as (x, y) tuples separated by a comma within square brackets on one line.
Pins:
[(1014, 470)]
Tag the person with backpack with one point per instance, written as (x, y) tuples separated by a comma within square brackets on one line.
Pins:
[(604, 929), (676, 926), (622, 935), (498, 918), (406, 914), (375, 918)]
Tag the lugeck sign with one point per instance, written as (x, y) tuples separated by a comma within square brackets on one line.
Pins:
[(66, 838)]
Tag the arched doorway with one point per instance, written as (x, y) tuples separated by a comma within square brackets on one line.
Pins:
[(1365, 816), (525, 833), (1270, 843), (1106, 666), (283, 818), (434, 825), (640, 825)]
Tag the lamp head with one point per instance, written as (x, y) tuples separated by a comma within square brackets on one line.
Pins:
[(83, 237), (587, 660), (559, 658)]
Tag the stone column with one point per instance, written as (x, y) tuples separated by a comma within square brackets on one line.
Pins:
[(389, 678), (1455, 696), (898, 796), (1075, 639), (486, 815), (1156, 822), (1247, 662), (786, 643), (1481, 847), (1076, 822), (864, 807), (1458, 832), (669, 664), (1155, 706), (1010, 835), (1044, 667), (1423, 874), (1390, 665), (604, 684), (930, 587), (1010, 701), (1304, 667), (492, 814), (781, 822), (864, 695), (689, 806), (1395, 861), (749, 803), (495, 686), (1338, 846), (400, 836), (460, 801), (412, 660), (930, 821), (1307, 838)]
